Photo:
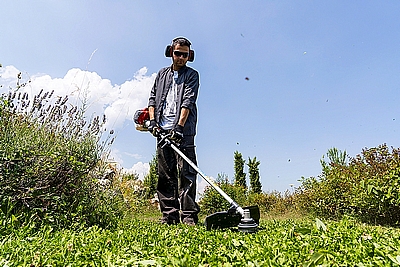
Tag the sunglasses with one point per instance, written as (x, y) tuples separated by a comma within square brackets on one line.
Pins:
[(179, 54)]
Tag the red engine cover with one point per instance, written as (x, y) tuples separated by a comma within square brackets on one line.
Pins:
[(141, 116)]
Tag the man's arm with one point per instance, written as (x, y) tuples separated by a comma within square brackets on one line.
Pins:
[(183, 116), (151, 112)]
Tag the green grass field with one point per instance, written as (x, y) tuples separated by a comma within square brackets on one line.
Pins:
[(144, 242)]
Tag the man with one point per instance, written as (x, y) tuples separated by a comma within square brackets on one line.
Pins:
[(172, 107)]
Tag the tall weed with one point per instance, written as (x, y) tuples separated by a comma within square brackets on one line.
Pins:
[(50, 160)]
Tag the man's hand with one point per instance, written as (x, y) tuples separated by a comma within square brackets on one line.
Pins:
[(177, 134), (153, 128)]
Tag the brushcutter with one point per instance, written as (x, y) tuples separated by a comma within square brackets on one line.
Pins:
[(246, 219)]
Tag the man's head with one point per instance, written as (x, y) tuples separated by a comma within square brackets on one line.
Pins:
[(182, 41), (180, 52)]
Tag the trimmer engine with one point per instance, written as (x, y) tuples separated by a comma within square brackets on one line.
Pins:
[(142, 119)]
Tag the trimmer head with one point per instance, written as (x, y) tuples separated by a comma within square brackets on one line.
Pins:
[(226, 219), (247, 224)]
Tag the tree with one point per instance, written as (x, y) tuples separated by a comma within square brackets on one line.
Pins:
[(151, 179), (335, 157), (240, 176), (254, 173)]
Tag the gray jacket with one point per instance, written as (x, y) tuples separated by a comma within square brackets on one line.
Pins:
[(188, 87)]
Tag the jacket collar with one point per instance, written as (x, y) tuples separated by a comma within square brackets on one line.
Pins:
[(181, 70)]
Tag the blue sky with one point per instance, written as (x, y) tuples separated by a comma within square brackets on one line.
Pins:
[(321, 74)]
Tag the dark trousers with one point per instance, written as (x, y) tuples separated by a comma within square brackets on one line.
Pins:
[(176, 188)]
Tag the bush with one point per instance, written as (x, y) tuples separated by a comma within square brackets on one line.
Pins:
[(151, 179), (367, 187), (211, 201), (276, 203), (133, 191), (50, 160)]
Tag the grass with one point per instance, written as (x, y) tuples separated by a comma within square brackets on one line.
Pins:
[(144, 242)]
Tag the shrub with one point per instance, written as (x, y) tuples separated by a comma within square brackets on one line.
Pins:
[(367, 187), (275, 202), (151, 179), (50, 161), (133, 191), (211, 201), (375, 195)]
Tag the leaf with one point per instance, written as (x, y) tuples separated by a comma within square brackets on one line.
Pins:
[(146, 262), (13, 219), (369, 188), (320, 225), (394, 260), (303, 230), (236, 243), (315, 258)]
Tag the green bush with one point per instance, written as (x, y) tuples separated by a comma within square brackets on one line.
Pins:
[(367, 187), (151, 179), (276, 203), (211, 201), (50, 161), (375, 194)]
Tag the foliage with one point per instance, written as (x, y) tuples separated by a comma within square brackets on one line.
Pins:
[(367, 187), (211, 201), (51, 160), (254, 173), (133, 191), (151, 179), (274, 203), (335, 157), (240, 175), (139, 242)]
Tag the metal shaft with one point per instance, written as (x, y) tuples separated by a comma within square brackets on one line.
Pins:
[(205, 177)]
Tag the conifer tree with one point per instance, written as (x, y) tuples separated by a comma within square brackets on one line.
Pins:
[(240, 175), (254, 173)]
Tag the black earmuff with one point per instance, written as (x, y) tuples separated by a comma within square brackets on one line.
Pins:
[(169, 50), (191, 55)]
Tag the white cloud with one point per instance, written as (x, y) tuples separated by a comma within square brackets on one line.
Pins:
[(132, 95), (201, 185), (135, 156), (117, 102), (139, 168), (115, 155), (8, 77)]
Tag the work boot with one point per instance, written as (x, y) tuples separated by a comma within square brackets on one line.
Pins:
[(189, 222), (168, 221)]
